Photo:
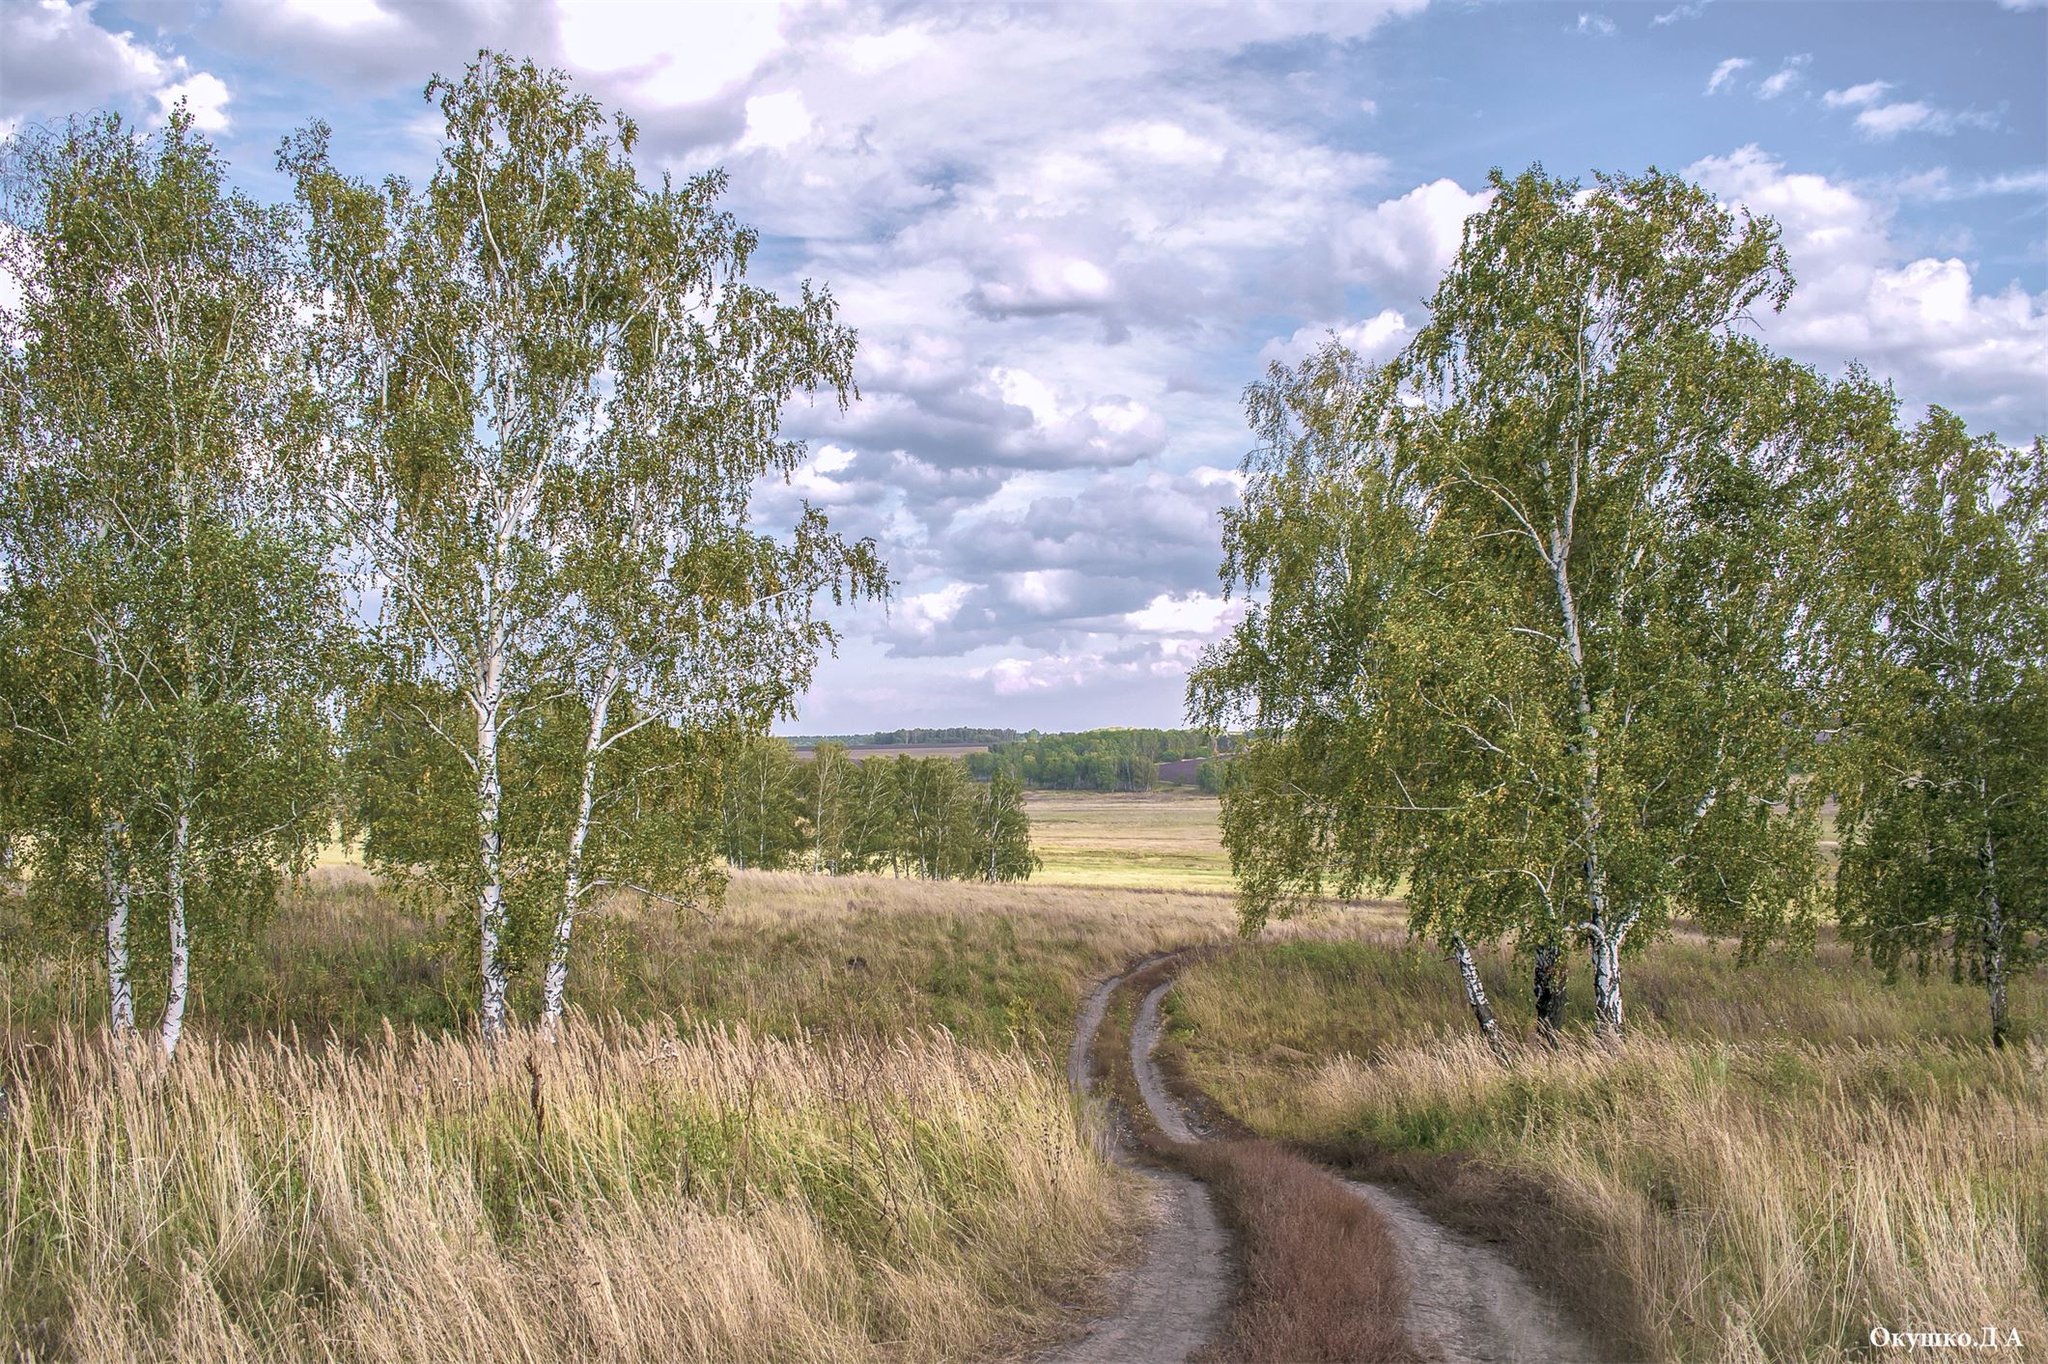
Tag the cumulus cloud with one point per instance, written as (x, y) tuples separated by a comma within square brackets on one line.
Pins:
[(1403, 245), (203, 95), (1919, 320), (1379, 337), (1596, 25), (55, 58)]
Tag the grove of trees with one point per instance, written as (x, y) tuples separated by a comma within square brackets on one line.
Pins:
[(921, 817), (423, 510), (1571, 617)]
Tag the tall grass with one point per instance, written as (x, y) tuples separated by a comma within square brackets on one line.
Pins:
[(788, 955), (626, 1193), (1778, 1160)]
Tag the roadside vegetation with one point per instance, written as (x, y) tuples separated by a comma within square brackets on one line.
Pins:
[(827, 1123), (1780, 1157), (634, 1192)]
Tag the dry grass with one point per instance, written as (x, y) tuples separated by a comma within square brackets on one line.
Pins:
[(769, 1153), (641, 1195), (789, 955), (1778, 1160)]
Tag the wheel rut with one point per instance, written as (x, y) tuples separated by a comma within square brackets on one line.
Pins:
[(1467, 1304), (1173, 1301)]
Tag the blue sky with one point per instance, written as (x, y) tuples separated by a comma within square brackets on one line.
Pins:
[(1070, 235)]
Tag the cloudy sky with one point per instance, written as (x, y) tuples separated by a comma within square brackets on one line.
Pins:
[(1070, 235)]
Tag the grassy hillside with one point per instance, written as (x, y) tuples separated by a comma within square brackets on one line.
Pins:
[(827, 1124), (1780, 1158)]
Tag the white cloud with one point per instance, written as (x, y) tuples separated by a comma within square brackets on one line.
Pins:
[(1403, 245), (1884, 121), (1725, 73), (1784, 78), (1195, 613), (1598, 25), (1919, 320), (669, 54), (1378, 337), (776, 121), (204, 95), (1856, 95), (59, 59)]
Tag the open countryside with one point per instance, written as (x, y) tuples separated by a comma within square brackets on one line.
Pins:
[(775, 684)]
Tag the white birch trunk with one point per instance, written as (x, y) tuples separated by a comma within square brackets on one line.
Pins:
[(181, 962), (1603, 935), (120, 991), (1475, 995), (557, 980), (1607, 1011), (490, 844)]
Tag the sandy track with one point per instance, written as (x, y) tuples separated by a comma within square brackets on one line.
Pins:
[(1466, 1303), (1172, 1302)]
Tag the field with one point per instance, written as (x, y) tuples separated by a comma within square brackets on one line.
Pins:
[(829, 1122), (1152, 840)]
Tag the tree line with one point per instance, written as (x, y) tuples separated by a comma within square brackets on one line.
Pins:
[(1578, 616), (908, 738), (424, 509), (1096, 759), (921, 817)]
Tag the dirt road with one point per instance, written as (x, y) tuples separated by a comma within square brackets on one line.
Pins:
[(1467, 1303), (1171, 1303)]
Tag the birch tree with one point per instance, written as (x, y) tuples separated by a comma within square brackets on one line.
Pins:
[(175, 631), (1002, 830), (1941, 653), (556, 394), (1532, 635)]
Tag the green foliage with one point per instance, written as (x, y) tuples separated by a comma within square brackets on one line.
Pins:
[(919, 817), (1092, 760), (1533, 592), (554, 391), (173, 637), (1941, 758)]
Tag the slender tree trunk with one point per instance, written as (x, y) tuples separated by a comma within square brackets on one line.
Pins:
[(120, 991), (1552, 967), (1604, 935), (1994, 941), (1475, 995), (176, 987), (1607, 1011), (557, 981), (114, 878), (490, 849)]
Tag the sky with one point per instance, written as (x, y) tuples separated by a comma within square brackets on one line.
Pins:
[(1070, 235)]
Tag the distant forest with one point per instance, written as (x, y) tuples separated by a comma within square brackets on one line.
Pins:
[(1086, 760), (1107, 759), (906, 738)]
